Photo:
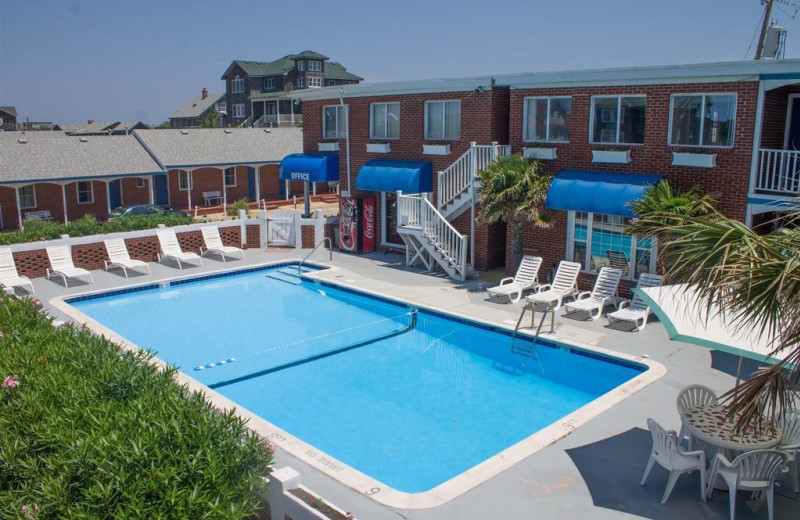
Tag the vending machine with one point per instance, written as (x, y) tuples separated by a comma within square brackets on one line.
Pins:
[(357, 224)]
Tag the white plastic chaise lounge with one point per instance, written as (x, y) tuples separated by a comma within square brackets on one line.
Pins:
[(61, 264), (635, 309), (118, 256), (9, 277), (603, 293), (214, 243), (564, 285), (527, 277), (171, 249)]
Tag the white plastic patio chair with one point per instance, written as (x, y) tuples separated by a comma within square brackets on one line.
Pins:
[(790, 444), (671, 457), (564, 286), (603, 293), (527, 277), (214, 243), (9, 277), (61, 264), (751, 471), (635, 309), (118, 256), (693, 396), (171, 249)]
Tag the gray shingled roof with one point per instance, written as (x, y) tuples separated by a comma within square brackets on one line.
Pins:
[(97, 127), (195, 147), (128, 126), (196, 106), (9, 110), (73, 158), (32, 134)]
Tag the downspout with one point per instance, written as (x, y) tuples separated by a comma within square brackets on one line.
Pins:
[(748, 219), (347, 137)]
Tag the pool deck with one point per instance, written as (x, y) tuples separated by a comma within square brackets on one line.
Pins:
[(593, 473)]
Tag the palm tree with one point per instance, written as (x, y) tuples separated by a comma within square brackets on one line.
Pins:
[(514, 190)]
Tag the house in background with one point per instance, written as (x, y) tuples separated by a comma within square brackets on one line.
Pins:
[(8, 118), (93, 127), (190, 113), (256, 91)]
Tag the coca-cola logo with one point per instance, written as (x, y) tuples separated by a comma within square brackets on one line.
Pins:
[(369, 217)]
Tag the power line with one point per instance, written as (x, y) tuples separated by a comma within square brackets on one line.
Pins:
[(758, 25)]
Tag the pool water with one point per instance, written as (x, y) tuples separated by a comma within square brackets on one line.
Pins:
[(411, 399)]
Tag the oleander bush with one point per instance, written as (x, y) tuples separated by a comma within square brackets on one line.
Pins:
[(90, 431), (36, 229)]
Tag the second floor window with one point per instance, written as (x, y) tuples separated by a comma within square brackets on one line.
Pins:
[(230, 177), (85, 192), (702, 120), (269, 83), (315, 66), (222, 108), (27, 197), (314, 82), (301, 65), (443, 120), (384, 121), (618, 120), (334, 122), (547, 119), (237, 85), (238, 110), (184, 180), (301, 82)]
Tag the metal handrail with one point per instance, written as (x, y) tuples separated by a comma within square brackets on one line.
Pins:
[(330, 251)]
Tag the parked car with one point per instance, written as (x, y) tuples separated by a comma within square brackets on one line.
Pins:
[(141, 209)]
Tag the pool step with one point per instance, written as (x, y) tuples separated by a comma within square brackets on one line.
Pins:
[(289, 274)]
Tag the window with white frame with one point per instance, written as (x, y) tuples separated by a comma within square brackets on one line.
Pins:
[(301, 82), (269, 83), (85, 192), (301, 65), (314, 81), (598, 240), (618, 119), (221, 108), (702, 119), (334, 122), (184, 180), (237, 85), (140, 182), (230, 177), (27, 196), (315, 66), (547, 119), (443, 120), (384, 121), (238, 110)]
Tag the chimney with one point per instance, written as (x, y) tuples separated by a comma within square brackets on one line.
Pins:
[(205, 93), (90, 121)]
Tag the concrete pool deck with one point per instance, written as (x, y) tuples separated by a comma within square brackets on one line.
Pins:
[(592, 473)]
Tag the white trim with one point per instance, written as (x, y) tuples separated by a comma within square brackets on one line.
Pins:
[(339, 108), (754, 158), (19, 196), (547, 120), (269, 84), (140, 182), (316, 68), (541, 153), (444, 120), (379, 147), (435, 149), (789, 107), (703, 96), (301, 82), (384, 227), (188, 182), (78, 192), (225, 177), (695, 160), (386, 124), (328, 147), (239, 114), (611, 156), (238, 80), (315, 82), (619, 98)]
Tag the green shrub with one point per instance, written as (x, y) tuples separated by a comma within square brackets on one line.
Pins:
[(90, 431), (233, 209)]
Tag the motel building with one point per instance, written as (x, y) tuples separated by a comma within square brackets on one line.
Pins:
[(52, 176), (605, 135)]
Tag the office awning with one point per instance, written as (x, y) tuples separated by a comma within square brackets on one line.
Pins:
[(405, 176), (598, 192), (310, 167)]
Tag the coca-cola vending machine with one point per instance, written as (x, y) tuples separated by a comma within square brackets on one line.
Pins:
[(357, 224)]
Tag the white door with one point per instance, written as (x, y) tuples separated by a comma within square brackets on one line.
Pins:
[(280, 229)]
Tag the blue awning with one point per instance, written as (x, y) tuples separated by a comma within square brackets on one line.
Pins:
[(310, 167), (598, 192), (405, 176)]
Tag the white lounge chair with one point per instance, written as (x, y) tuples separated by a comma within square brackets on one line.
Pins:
[(61, 264), (790, 443), (635, 309), (669, 455), (9, 277), (171, 249), (118, 256), (750, 471), (603, 293), (564, 286), (214, 243), (526, 278), (693, 396)]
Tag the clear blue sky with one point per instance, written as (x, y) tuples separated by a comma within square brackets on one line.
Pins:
[(71, 60)]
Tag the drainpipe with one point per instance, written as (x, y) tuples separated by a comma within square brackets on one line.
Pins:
[(347, 137)]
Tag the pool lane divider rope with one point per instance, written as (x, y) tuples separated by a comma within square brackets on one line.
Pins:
[(411, 326)]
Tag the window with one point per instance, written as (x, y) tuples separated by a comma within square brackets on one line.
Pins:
[(85, 192), (185, 180), (314, 82), (27, 197), (315, 66), (238, 110), (230, 177), (334, 122), (702, 120), (237, 85), (301, 82), (140, 183), (221, 108), (269, 83), (301, 65), (601, 241), (547, 119), (384, 121), (442, 120), (618, 120)]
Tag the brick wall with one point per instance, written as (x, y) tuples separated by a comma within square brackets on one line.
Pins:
[(132, 194), (307, 236), (253, 236)]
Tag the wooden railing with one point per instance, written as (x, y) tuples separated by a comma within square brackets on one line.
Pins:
[(778, 171)]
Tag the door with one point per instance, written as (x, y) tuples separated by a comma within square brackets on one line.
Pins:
[(793, 124), (115, 194), (251, 183), (161, 194), (389, 219), (280, 229)]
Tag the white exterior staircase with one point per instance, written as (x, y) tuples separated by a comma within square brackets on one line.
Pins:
[(426, 230)]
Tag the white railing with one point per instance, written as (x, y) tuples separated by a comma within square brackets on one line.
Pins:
[(779, 171), (408, 210), (458, 178), (261, 121)]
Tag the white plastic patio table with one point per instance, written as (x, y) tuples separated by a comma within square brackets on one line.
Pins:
[(711, 425)]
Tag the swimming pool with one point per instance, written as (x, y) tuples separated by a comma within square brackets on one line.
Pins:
[(411, 398)]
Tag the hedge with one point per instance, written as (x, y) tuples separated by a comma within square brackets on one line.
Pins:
[(35, 229), (91, 431)]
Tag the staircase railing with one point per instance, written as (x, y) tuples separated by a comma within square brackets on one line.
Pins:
[(246, 123), (261, 121), (458, 178)]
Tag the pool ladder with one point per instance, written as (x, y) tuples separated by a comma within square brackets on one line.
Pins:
[(525, 349)]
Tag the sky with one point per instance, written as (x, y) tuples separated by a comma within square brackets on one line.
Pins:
[(110, 60)]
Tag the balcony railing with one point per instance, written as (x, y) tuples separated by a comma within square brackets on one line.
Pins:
[(778, 172), (283, 119)]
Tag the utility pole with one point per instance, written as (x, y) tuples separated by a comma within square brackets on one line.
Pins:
[(764, 27)]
